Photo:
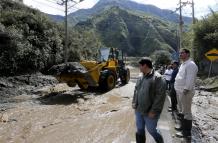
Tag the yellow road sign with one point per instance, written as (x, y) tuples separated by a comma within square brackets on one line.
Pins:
[(212, 55)]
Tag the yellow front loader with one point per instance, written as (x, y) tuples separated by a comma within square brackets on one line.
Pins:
[(103, 73)]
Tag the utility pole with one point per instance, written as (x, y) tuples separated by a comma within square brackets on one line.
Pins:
[(180, 25), (66, 35), (193, 12), (65, 2), (181, 5), (193, 22)]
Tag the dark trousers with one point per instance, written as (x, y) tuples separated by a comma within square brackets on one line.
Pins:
[(173, 98), (168, 85)]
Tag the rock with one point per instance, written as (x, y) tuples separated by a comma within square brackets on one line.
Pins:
[(210, 88), (4, 117), (5, 84), (81, 101)]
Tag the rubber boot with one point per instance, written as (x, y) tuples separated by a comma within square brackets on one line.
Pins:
[(187, 130), (179, 120), (160, 140), (140, 138), (180, 128)]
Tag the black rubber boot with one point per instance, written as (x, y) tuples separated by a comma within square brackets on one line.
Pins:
[(140, 138), (179, 122), (186, 130), (160, 140), (180, 126)]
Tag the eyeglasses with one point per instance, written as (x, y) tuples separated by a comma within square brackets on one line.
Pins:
[(182, 52)]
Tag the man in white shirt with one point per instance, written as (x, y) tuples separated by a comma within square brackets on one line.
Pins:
[(184, 86), (167, 75)]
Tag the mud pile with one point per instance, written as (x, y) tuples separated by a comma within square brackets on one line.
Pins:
[(205, 107), (27, 85), (69, 67)]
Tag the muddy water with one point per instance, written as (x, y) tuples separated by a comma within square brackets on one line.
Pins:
[(65, 118), (69, 115)]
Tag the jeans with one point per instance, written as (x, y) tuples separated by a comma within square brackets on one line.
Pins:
[(150, 123), (173, 98), (168, 87)]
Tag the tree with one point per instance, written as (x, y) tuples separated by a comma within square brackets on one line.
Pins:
[(161, 58), (206, 35)]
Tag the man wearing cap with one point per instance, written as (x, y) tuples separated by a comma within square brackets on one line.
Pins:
[(148, 100)]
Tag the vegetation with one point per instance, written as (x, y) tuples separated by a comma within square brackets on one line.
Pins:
[(31, 42), (201, 38), (135, 34), (102, 5), (161, 58), (206, 35)]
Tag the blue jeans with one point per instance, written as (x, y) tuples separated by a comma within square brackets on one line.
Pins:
[(150, 123)]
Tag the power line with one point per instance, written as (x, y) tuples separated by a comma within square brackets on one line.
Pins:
[(52, 1), (65, 3), (42, 3)]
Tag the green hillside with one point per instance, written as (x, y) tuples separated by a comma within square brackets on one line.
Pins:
[(135, 33), (101, 5)]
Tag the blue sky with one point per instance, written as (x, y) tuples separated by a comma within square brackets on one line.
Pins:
[(51, 6)]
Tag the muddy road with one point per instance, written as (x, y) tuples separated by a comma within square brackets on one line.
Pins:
[(56, 113)]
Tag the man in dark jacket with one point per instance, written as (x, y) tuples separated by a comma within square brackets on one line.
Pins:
[(148, 100), (175, 65)]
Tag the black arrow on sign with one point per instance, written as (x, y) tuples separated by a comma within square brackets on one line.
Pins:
[(212, 54)]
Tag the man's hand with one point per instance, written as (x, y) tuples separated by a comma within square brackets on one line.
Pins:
[(134, 105), (185, 91), (151, 114)]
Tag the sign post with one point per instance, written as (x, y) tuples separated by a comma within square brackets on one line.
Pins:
[(212, 55), (210, 69)]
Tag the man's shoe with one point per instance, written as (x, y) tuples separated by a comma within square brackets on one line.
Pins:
[(179, 135), (178, 127)]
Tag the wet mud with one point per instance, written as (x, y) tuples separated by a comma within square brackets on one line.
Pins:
[(38, 109)]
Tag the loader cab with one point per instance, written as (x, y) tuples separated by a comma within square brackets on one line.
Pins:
[(104, 54), (110, 53)]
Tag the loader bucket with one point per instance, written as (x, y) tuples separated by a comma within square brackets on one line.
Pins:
[(72, 73)]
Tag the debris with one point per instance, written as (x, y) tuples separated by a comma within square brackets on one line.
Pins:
[(4, 117)]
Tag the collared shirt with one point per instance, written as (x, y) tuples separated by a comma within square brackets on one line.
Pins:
[(168, 74), (186, 77)]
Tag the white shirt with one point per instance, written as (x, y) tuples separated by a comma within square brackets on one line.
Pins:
[(168, 74), (186, 76)]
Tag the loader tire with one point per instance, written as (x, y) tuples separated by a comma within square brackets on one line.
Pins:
[(126, 77), (109, 82)]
